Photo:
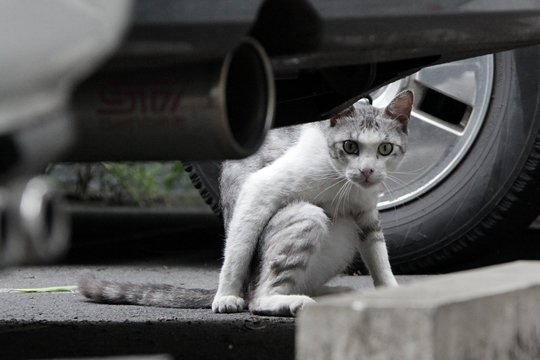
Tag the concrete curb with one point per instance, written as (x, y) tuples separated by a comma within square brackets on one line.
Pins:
[(491, 313)]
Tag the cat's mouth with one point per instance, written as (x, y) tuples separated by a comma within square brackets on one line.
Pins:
[(366, 183), (363, 182)]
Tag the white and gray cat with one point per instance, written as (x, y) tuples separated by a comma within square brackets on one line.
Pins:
[(295, 214)]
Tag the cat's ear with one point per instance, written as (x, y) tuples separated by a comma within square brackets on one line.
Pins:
[(347, 112), (400, 107)]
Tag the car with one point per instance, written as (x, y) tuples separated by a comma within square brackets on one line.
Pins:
[(202, 81)]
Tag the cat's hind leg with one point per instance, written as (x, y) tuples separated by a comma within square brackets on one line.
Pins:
[(287, 246)]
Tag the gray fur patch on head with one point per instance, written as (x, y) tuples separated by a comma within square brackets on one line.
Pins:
[(348, 112), (369, 119)]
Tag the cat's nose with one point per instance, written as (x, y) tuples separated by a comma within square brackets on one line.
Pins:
[(367, 172)]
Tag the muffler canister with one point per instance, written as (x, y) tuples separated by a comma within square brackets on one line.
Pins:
[(213, 110)]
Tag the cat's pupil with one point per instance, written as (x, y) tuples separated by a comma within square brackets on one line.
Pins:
[(350, 147), (386, 149)]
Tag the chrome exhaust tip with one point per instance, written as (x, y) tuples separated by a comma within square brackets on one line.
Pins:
[(249, 97), (213, 110)]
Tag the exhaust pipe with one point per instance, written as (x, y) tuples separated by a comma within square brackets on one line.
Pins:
[(43, 222), (176, 112)]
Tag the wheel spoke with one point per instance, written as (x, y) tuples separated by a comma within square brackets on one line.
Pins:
[(451, 103), (436, 122), (453, 93), (457, 80)]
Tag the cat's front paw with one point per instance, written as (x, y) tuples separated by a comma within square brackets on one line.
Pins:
[(228, 304), (298, 304), (280, 305)]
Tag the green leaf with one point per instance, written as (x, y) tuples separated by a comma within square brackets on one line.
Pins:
[(66, 288)]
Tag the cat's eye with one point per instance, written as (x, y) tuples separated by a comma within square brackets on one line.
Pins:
[(350, 147), (385, 149)]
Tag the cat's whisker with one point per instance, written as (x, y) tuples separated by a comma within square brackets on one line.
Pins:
[(397, 180), (348, 196), (329, 187), (326, 189), (409, 172), (326, 177), (342, 197), (333, 173), (402, 183), (403, 172), (392, 197), (337, 196), (345, 197)]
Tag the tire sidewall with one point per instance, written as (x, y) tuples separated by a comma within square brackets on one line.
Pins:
[(476, 186)]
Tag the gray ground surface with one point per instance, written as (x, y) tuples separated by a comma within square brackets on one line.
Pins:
[(72, 306), (179, 249), (34, 325)]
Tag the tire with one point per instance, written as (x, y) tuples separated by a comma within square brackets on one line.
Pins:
[(204, 176), (493, 194), (485, 201)]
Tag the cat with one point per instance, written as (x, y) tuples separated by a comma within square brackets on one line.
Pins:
[(295, 214)]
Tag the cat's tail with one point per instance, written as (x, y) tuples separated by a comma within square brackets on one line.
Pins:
[(158, 295)]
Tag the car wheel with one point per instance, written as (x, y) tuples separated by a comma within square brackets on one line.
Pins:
[(470, 180)]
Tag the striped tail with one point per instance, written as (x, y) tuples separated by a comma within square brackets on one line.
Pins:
[(158, 295)]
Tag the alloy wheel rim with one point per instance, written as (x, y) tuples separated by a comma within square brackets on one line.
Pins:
[(451, 103)]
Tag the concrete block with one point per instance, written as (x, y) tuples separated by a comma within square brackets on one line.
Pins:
[(491, 313)]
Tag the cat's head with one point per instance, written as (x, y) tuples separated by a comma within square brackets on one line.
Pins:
[(366, 142)]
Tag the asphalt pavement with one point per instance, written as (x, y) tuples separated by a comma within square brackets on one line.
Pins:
[(142, 249), (54, 325)]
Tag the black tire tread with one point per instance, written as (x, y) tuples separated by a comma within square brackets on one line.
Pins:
[(518, 207), (199, 182)]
